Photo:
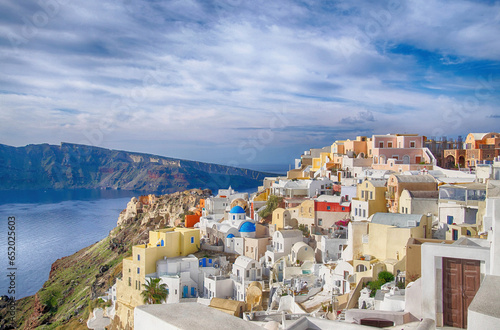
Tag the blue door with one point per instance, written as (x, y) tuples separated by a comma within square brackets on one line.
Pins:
[(185, 291), (193, 292)]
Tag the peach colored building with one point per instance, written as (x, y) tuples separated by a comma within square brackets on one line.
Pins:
[(401, 152), (397, 183), (357, 147)]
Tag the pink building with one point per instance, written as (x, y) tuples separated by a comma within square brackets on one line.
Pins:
[(401, 152)]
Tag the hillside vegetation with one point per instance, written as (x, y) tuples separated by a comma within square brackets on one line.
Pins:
[(75, 282)]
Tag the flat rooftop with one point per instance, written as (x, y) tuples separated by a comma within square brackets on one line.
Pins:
[(187, 316)]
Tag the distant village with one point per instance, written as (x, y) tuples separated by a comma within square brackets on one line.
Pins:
[(382, 231)]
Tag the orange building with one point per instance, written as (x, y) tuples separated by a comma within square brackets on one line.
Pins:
[(192, 219), (480, 148)]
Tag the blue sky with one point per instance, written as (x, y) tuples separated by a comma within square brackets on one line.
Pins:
[(240, 82)]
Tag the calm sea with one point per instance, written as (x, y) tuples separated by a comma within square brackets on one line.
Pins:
[(51, 225)]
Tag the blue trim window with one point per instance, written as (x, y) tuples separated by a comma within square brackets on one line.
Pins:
[(138, 257), (192, 240), (138, 270)]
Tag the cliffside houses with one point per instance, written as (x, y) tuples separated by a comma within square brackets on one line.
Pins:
[(347, 213)]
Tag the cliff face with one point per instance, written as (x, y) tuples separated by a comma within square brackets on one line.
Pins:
[(75, 282), (71, 166)]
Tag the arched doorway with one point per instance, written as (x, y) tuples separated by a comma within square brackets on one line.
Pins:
[(461, 161), (449, 162)]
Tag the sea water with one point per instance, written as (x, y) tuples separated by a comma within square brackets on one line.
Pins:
[(50, 225)]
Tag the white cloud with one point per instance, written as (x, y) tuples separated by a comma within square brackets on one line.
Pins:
[(197, 71)]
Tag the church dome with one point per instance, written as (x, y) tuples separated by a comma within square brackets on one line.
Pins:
[(247, 227), (237, 210)]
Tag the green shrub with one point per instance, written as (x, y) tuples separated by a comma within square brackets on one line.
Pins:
[(385, 276), (272, 204), (374, 286)]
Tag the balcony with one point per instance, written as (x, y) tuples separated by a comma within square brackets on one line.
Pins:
[(218, 277), (270, 248), (235, 278)]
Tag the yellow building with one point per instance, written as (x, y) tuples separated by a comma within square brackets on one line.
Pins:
[(384, 248), (370, 199), (168, 242), (294, 216)]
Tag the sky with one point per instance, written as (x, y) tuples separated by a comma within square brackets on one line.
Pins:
[(242, 82)]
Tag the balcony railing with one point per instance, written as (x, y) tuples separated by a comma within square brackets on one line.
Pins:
[(236, 278)]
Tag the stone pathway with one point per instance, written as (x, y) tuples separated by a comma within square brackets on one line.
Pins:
[(98, 322)]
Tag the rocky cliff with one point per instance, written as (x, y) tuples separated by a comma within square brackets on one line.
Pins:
[(75, 282), (71, 166)]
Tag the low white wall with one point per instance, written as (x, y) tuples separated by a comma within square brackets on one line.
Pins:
[(413, 304)]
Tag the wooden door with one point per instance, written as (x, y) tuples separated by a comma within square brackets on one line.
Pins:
[(460, 283)]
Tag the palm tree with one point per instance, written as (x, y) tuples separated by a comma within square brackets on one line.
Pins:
[(154, 292)]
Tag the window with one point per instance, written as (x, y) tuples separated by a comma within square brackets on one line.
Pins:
[(340, 247), (129, 281), (364, 213), (371, 194), (389, 144), (343, 208), (362, 194), (192, 240), (328, 208), (360, 268), (320, 222), (381, 144), (138, 270), (355, 212), (412, 144), (139, 257)]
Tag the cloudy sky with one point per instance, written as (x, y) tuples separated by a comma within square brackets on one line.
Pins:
[(244, 82)]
